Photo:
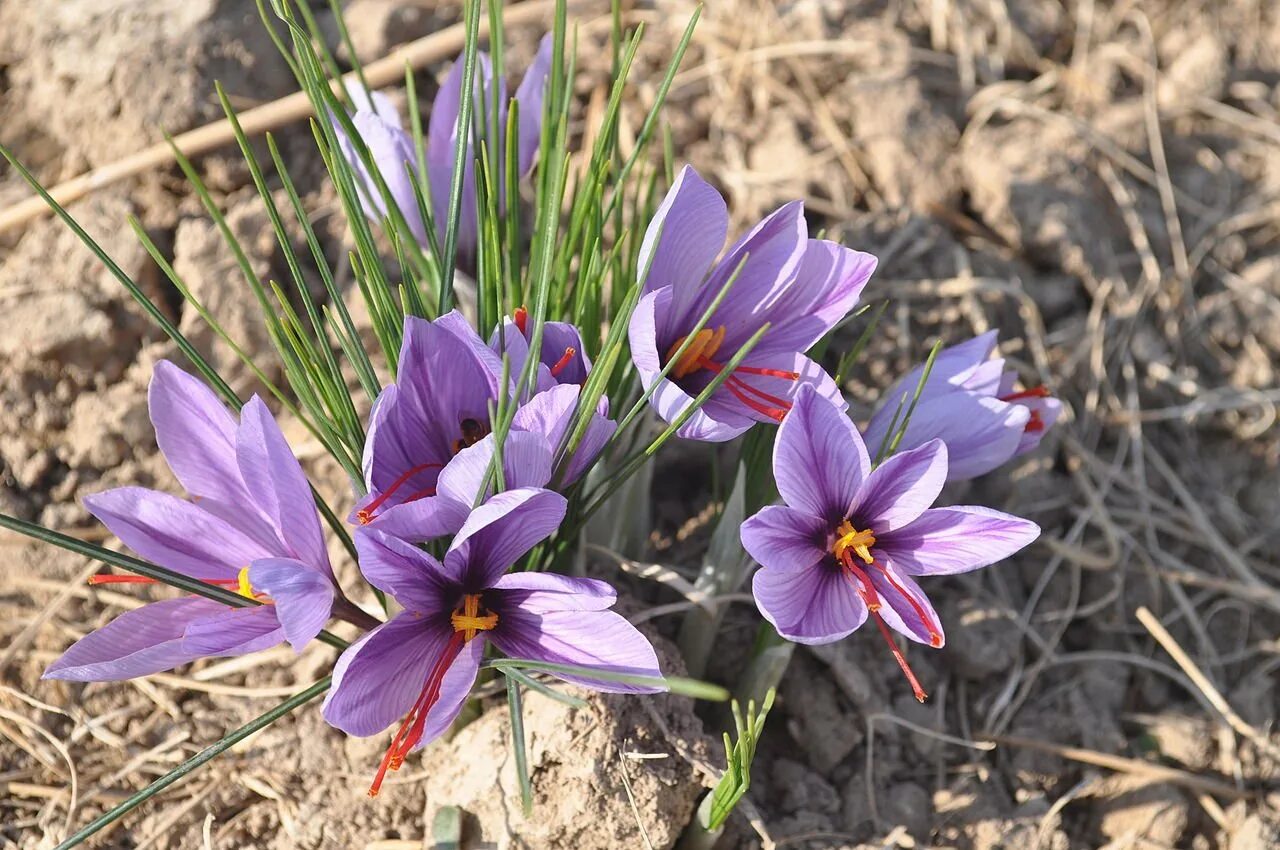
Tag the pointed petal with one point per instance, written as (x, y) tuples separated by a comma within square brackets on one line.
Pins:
[(278, 485), (819, 461), (783, 538), (234, 631), (542, 593), (456, 686), (410, 575), (952, 367), (980, 433), (827, 286), (175, 533), (816, 605), (530, 94), (196, 435), (378, 678), (392, 150), (526, 462), (551, 414), (946, 541), (500, 532), (442, 134), (918, 621), (421, 520), (599, 639), (902, 488), (137, 643), (302, 594)]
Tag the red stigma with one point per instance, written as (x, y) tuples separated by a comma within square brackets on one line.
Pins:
[(1034, 424), (365, 514), (862, 584), (522, 320), (130, 579), (564, 361), (1040, 391), (744, 391)]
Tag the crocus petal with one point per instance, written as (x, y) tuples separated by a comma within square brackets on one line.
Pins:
[(302, 594), (542, 593), (783, 538), (551, 413), (819, 461), (763, 397), (526, 462), (500, 532), (900, 489), (391, 150), (280, 488), (980, 433), (682, 241), (175, 533), (530, 94), (412, 576), (951, 368), (917, 621), (234, 631), (1049, 410), (137, 643), (196, 434), (600, 639), (815, 605), (454, 690), (378, 678), (946, 541), (827, 285), (442, 134)]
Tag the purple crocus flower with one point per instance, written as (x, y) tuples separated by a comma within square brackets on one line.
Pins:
[(563, 355), (439, 405), (969, 402), (421, 664), (800, 286), (850, 541), (392, 149), (250, 526)]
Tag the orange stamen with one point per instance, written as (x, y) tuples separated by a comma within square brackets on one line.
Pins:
[(564, 361), (1040, 391), (365, 514), (522, 319)]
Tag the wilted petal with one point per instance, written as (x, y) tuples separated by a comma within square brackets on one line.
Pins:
[(681, 242), (906, 609), (584, 638), (175, 533), (945, 541), (378, 678), (302, 595), (817, 605), (500, 532), (903, 487), (410, 575), (137, 643), (530, 95), (783, 538), (819, 461)]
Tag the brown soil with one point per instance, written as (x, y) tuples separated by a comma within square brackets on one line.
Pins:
[(1099, 181)]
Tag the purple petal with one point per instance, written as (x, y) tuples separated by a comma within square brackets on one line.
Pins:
[(421, 520), (499, 533), (454, 690), (770, 394), (819, 461), (378, 678), (196, 433), (906, 609), (600, 639), (302, 594), (392, 152), (681, 242), (980, 433), (551, 414), (951, 369), (175, 533), (526, 462), (900, 489), (137, 643), (279, 487), (557, 339), (783, 538), (826, 288), (234, 631), (410, 575), (1049, 410), (946, 541), (815, 605), (442, 134), (530, 94), (542, 593)]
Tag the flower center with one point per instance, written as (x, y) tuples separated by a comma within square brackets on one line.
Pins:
[(473, 431), (242, 584), (366, 514), (1035, 424), (522, 320), (849, 542), (697, 356), (468, 619)]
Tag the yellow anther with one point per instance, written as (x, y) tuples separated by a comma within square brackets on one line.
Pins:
[(244, 588), (469, 620), (850, 538), (705, 344)]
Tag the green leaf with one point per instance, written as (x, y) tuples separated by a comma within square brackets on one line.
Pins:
[(674, 684), (517, 743)]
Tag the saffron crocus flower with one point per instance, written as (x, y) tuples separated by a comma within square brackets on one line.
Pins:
[(251, 526), (419, 666), (439, 405), (563, 357), (851, 541), (800, 286), (392, 149), (969, 402)]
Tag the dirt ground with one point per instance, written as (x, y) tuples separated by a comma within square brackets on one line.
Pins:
[(1101, 181)]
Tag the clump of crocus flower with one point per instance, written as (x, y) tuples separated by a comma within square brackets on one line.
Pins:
[(849, 541), (250, 526), (969, 402), (799, 287)]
